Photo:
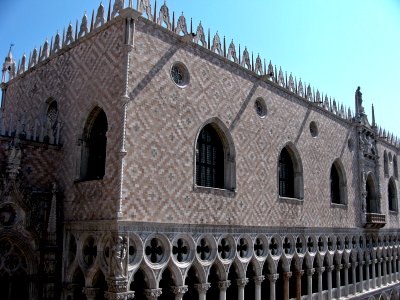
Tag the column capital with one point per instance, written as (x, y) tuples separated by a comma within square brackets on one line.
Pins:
[(374, 261), (202, 287), (299, 273), (242, 282), (91, 292), (259, 279), (338, 267), (347, 265), (329, 268), (287, 275), (273, 277), (223, 285), (309, 272), (320, 270), (179, 290), (356, 263), (152, 294)]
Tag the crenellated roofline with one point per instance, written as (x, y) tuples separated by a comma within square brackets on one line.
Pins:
[(242, 58)]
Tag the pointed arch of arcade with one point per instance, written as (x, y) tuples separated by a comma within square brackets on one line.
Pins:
[(215, 156), (290, 173)]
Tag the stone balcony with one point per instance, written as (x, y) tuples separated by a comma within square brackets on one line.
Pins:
[(375, 220)]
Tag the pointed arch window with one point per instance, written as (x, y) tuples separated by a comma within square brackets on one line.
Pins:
[(385, 164), (338, 184), (392, 195), (395, 168), (371, 200), (94, 146), (286, 175), (209, 159)]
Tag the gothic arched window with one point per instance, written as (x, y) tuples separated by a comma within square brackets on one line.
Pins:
[(94, 145), (385, 164), (392, 195), (286, 175), (209, 159), (372, 202), (395, 168), (338, 184)]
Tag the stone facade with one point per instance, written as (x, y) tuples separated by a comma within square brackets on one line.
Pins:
[(145, 228)]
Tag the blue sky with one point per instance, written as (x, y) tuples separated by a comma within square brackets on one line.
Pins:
[(335, 45)]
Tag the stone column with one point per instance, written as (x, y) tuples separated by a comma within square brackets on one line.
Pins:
[(272, 279), (152, 294), (286, 277), (257, 283), (329, 270), (241, 283), (338, 292), (384, 271), (202, 289), (398, 269), (354, 277), (309, 273), (91, 293), (379, 275), (320, 271), (346, 278), (373, 275), (179, 291), (223, 286), (390, 270), (298, 283), (367, 275), (69, 290)]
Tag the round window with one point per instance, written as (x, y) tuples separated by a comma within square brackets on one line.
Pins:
[(260, 107), (313, 129), (180, 74)]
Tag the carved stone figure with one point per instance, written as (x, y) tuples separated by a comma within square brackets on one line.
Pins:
[(200, 36), (117, 8), (358, 98), (118, 254), (232, 52), (181, 25), (164, 16)]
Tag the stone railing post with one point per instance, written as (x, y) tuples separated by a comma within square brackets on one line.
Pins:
[(367, 275), (118, 289), (223, 286), (272, 280), (286, 277), (384, 271), (179, 291), (153, 294), (241, 283), (202, 289), (389, 271)]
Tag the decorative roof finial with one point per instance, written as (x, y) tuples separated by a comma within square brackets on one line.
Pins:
[(373, 116)]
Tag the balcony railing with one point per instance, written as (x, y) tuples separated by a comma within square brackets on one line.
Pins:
[(375, 220)]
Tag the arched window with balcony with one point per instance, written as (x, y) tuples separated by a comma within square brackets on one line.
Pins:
[(94, 144)]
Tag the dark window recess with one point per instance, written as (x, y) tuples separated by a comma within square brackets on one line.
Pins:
[(286, 175), (209, 159), (392, 196), (97, 143), (335, 186)]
